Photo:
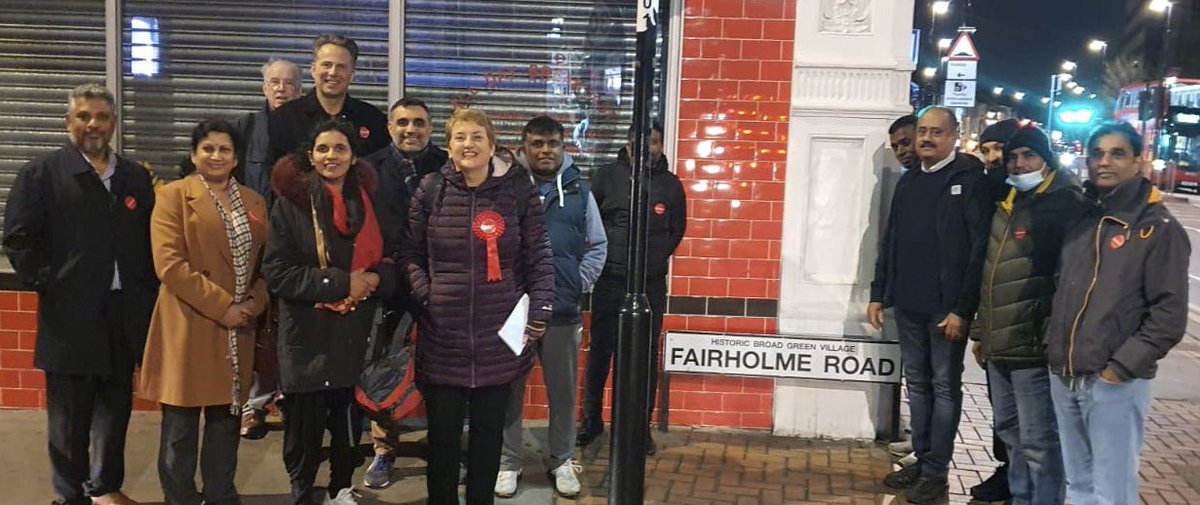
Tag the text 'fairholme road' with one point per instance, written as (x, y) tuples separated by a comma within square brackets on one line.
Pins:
[(784, 357)]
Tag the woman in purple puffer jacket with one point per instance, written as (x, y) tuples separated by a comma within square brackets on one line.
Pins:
[(478, 243)]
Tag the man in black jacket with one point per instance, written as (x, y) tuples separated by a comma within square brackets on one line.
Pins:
[(334, 58), (1025, 243), (666, 222), (991, 152), (400, 167), (929, 268), (1121, 305), (77, 231)]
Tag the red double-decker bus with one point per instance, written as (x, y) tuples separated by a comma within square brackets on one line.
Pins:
[(1171, 129)]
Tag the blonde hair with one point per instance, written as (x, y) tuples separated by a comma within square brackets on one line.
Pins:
[(474, 116)]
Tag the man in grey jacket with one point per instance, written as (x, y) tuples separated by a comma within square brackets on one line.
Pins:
[(282, 82), (1120, 306), (579, 243)]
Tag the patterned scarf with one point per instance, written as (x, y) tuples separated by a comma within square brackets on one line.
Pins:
[(237, 230)]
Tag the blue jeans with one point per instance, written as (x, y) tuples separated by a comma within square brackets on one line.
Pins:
[(933, 369), (1102, 426), (1023, 414)]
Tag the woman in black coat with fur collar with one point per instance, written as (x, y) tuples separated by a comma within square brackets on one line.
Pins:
[(329, 261)]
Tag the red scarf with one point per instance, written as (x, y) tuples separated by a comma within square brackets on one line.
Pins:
[(368, 244)]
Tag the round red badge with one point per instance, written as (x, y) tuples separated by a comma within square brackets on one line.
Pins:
[(130, 202), (364, 132), (1116, 242), (1019, 233), (660, 209)]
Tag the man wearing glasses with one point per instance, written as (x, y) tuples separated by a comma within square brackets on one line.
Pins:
[(281, 83)]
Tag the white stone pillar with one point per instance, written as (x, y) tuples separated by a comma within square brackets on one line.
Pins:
[(852, 65)]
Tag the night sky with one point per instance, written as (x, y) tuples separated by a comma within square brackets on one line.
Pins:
[(1022, 42)]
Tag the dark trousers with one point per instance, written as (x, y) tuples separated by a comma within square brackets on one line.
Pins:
[(306, 417), (607, 297), (933, 369), (446, 407), (89, 410), (177, 453)]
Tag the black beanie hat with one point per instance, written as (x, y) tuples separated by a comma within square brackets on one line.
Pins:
[(1035, 139), (999, 131)]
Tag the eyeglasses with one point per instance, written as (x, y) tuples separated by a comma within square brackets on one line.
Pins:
[(276, 83)]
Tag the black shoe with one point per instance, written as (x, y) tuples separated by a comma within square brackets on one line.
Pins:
[(587, 435), (927, 491), (995, 488), (903, 478), (650, 447)]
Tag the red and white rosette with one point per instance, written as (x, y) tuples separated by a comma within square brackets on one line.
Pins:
[(488, 227)]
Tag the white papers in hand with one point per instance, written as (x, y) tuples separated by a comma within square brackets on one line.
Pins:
[(513, 330)]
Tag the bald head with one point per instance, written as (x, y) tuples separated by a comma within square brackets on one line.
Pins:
[(937, 134)]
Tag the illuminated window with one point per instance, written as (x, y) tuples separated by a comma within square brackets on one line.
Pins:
[(143, 46)]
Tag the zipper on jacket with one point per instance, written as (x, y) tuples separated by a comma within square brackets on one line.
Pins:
[(992, 278), (471, 291), (1070, 370)]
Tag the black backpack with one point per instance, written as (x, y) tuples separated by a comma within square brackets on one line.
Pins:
[(387, 387)]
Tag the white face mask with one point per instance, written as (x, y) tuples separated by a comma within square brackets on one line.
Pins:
[(1026, 182)]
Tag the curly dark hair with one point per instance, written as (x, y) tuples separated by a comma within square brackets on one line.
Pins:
[(202, 131)]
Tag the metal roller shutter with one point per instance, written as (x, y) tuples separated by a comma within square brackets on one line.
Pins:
[(44, 52), (570, 59), (209, 56)]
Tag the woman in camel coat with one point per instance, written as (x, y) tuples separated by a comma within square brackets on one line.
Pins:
[(207, 233)]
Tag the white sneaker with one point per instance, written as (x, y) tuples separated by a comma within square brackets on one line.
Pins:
[(565, 480), (346, 496), (506, 483), (909, 460)]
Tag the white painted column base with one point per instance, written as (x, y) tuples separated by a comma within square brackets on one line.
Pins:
[(850, 81)]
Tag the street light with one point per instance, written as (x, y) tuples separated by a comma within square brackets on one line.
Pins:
[(1045, 99), (939, 8), (997, 90), (1072, 85), (1069, 66), (1078, 90), (1162, 7), (1098, 46), (929, 72), (1018, 95)]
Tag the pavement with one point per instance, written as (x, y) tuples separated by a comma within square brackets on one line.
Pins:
[(693, 466)]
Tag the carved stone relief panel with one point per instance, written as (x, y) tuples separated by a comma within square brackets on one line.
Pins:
[(845, 16)]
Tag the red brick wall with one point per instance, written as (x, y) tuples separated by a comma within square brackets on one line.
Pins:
[(731, 152), (21, 385)]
